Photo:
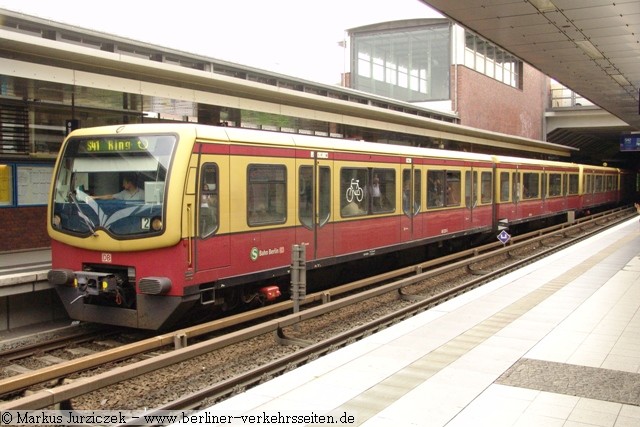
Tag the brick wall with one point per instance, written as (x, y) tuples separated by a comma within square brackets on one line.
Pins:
[(488, 104), (24, 228)]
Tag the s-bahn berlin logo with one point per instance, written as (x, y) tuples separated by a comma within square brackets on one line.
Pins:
[(257, 253)]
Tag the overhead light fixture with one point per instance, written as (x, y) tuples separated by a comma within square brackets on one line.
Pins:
[(622, 81), (544, 5), (590, 49)]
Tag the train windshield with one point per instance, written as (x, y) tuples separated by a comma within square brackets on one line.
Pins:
[(112, 183)]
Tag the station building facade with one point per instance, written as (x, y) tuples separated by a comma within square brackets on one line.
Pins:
[(55, 77), (437, 64)]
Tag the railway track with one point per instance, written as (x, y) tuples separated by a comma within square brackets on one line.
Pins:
[(180, 376)]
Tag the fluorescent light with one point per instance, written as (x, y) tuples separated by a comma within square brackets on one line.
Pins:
[(544, 5), (622, 81), (590, 49)]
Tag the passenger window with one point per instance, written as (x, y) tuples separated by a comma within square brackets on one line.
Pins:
[(599, 184), (382, 190), (504, 186), (517, 189), (353, 197), (486, 185), (209, 210), (435, 189), (443, 188), (555, 184), (530, 185), (266, 194), (574, 180), (452, 188)]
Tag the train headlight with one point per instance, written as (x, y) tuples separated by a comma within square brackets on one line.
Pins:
[(156, 224)]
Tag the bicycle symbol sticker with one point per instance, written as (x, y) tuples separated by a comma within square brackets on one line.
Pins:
[(355, 191)]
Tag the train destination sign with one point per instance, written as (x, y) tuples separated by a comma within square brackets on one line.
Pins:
[(114, 145)]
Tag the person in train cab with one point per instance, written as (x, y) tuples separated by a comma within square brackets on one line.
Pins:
[(130, 191)]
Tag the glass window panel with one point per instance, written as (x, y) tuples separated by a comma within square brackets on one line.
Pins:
[(382, 190), (555, 184), (530, 185), (452, 188), (353, 197), (378, 69), (305, 195), (486, 184), (209, 208), (364, 64), (266, 194), (391, 74), (504, 186), (435, 189), (324, 196)]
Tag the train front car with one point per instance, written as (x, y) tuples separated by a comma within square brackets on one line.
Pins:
[(115, 222)]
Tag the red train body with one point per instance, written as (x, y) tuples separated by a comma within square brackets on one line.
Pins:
[(222, 208)]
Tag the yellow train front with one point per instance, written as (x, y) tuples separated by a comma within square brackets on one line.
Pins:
[(151, 221)]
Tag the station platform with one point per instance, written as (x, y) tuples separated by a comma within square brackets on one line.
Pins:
[(556, 343), (27, 299)]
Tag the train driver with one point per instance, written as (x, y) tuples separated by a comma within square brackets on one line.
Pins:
[(130, 191)]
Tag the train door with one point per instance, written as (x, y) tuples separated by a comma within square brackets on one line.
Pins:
[(314, 206), (516, 193), (470, 197), (410, 227), (212, 244)]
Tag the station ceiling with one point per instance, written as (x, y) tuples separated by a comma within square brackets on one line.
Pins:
[(589, 46)]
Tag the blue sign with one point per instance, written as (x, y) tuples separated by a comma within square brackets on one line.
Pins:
[(630, 143), (504, 237)]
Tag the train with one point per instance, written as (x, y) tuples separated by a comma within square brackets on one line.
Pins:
[(209, 215)]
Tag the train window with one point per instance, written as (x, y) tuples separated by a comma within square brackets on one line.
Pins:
[(530, 185), (435, 189), (504, 186), (517, 190), (471, 189), (407, 195), (452, 188), (610, 185), (305, 191), (555, 184), (443, 188), (588, 184), (209, 209), (486, 184), (353, 197), (574, 183), (365, 191), (382, 191), (266, 194), (599, 184)]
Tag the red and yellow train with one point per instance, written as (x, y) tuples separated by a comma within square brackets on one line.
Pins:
[(211, 213)]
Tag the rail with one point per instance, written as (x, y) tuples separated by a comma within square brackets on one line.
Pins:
[(44, 398)]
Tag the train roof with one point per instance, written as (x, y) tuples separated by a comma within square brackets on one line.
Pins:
[(312, 142)]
